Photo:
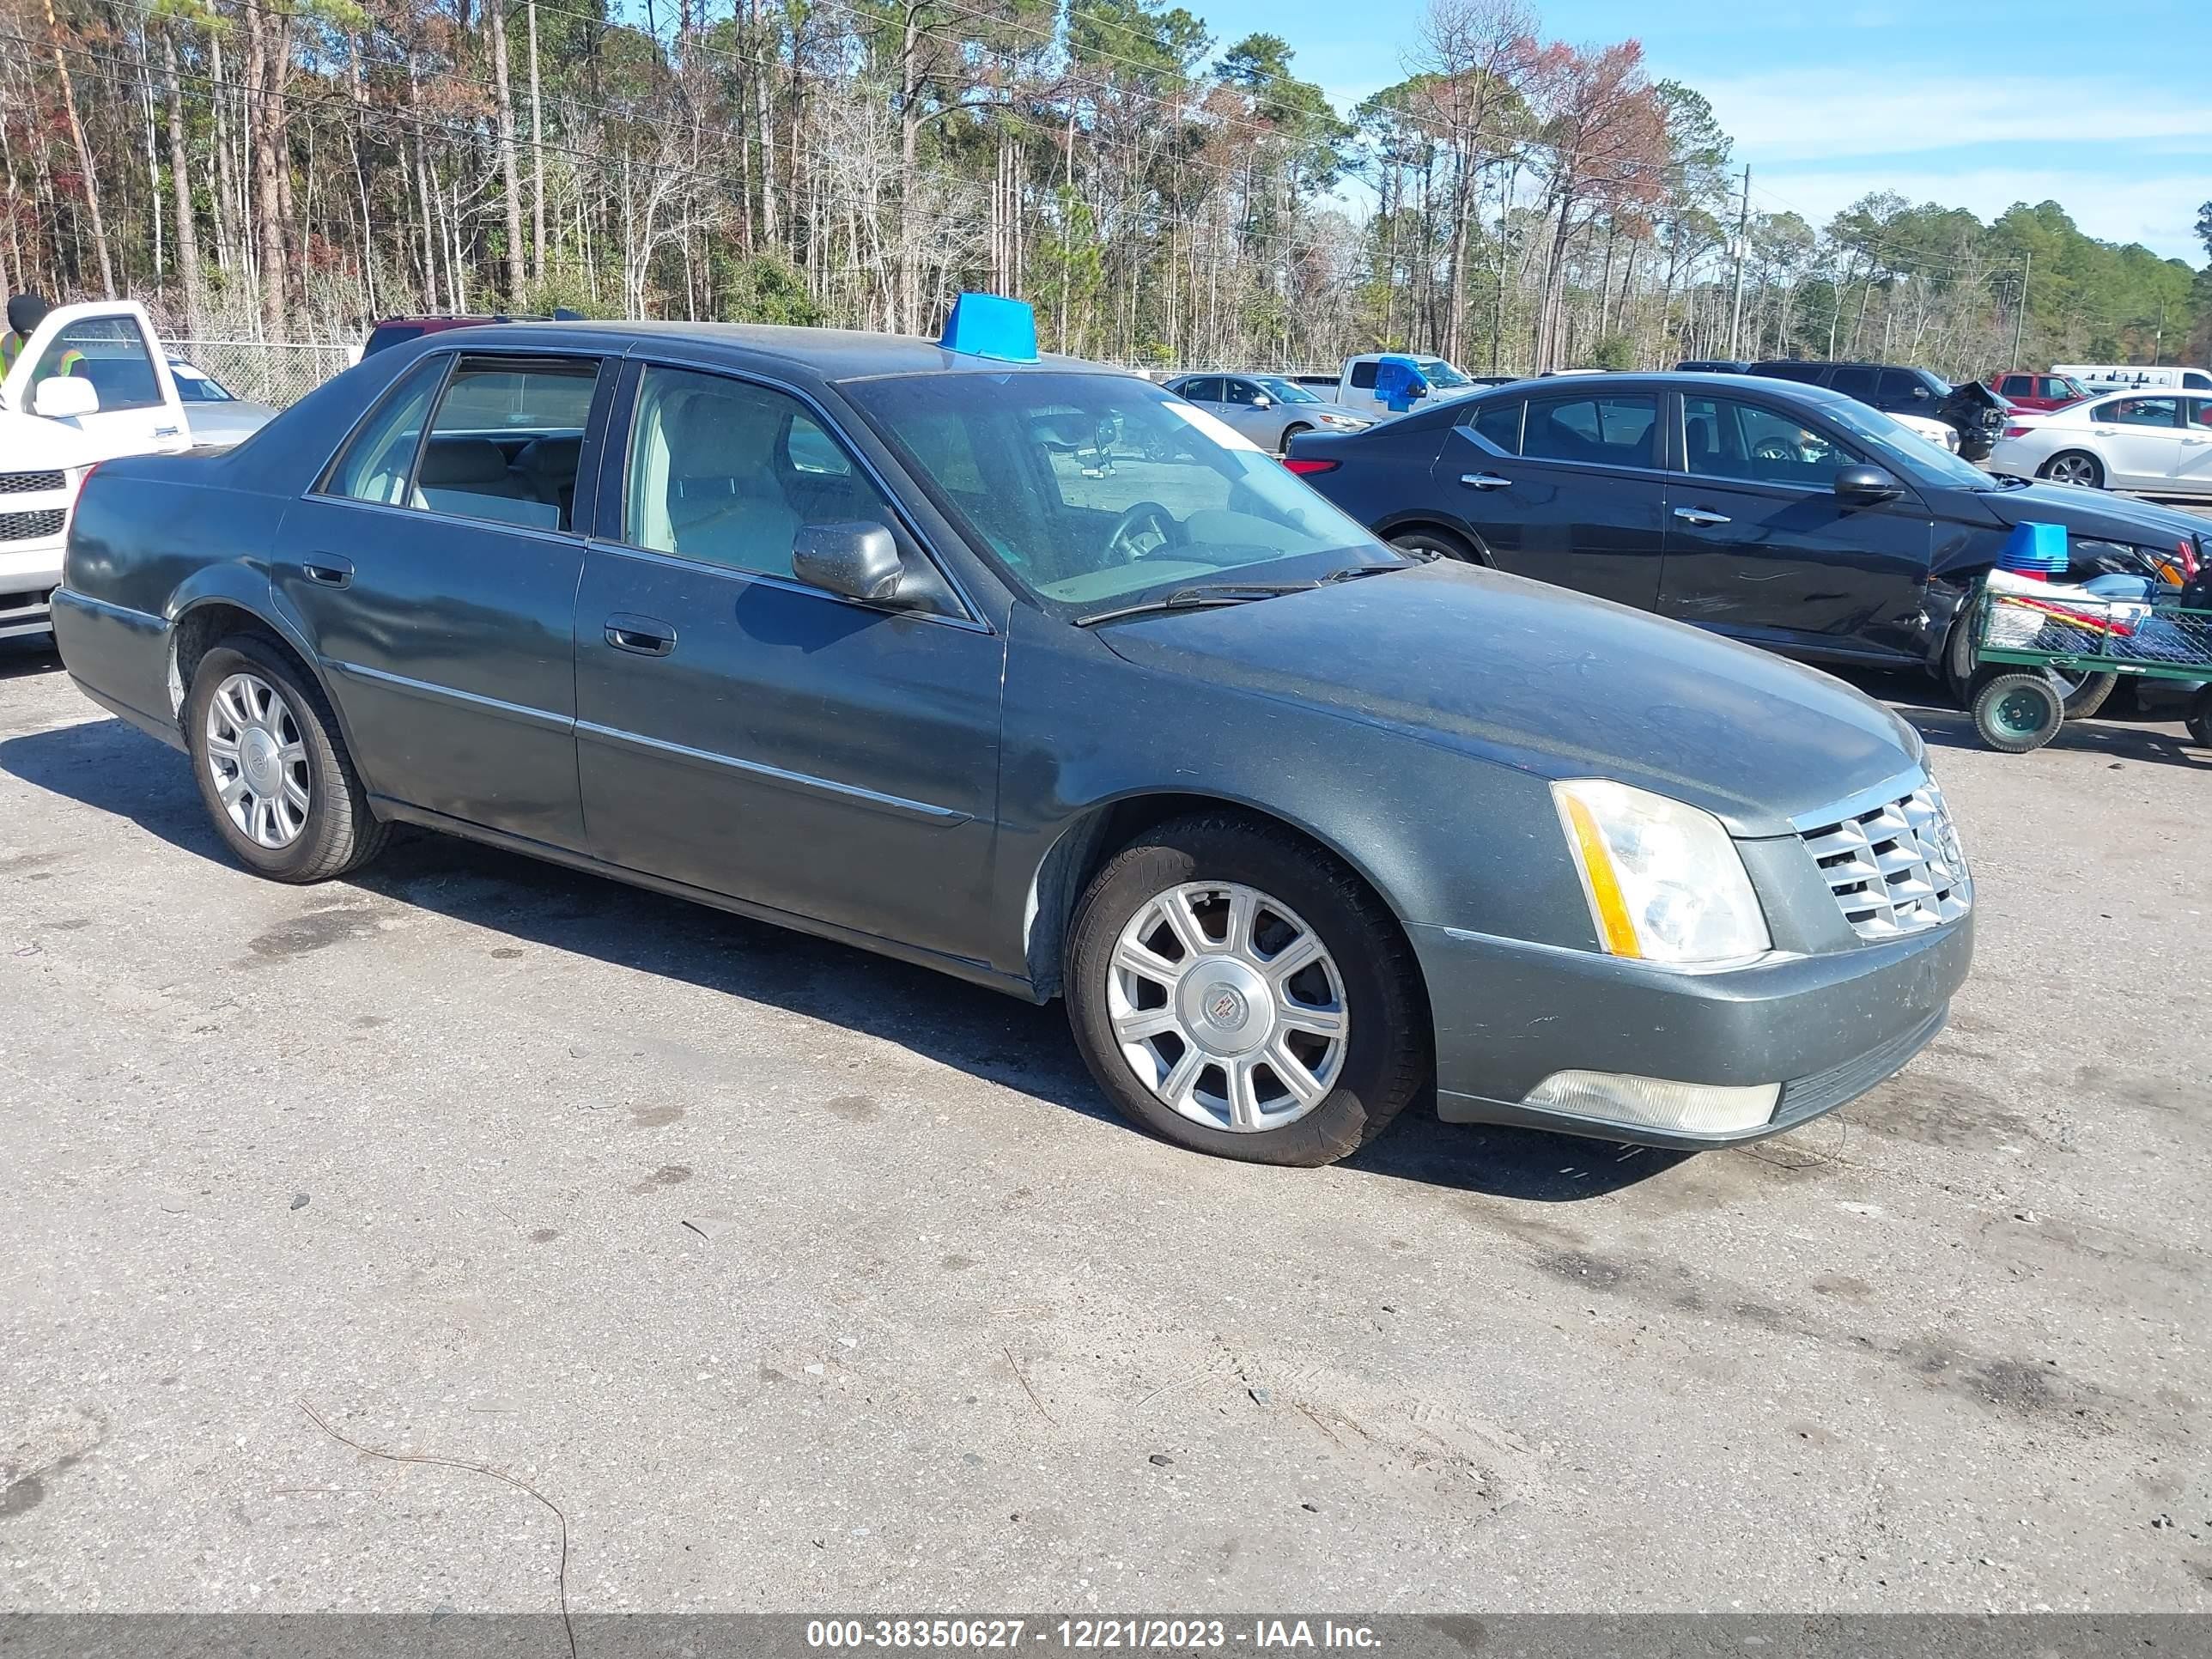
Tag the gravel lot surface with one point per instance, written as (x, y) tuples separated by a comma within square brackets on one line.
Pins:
[(796, 1278)]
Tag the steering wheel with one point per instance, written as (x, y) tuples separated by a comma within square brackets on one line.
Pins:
[(1774, 450), (1121, 550)]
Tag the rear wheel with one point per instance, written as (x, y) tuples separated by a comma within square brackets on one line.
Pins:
[(2200, 717), (1238, 991), (2016, 713), (2075, 466), (271, 767), (1425, 542), (2084, 693)]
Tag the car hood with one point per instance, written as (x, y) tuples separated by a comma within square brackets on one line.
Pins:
[(2095, 513), (1550, 681)]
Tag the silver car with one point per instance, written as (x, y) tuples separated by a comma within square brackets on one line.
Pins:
[(1267, 409), (217, 417)]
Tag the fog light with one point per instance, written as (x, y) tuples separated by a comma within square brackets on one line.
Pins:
[(1650, 1102)]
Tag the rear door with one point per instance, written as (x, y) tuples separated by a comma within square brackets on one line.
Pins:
[(1566, 488), (434, 573), (1759, 547), (744, 732)]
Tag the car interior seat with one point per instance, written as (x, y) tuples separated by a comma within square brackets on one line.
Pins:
[(725, 502), (470, 476), (548, 466)]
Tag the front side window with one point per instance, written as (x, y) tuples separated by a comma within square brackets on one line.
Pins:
[(2199, 411), (507, 439), (1242, 393), (1092, 489), (1726, 438), (1899, 386), (1616, 430), (111, 353), (2018, 386), (1436, 372), (728, 472), (1286, 391), (379, 461), (2141, 412), (194, 387)]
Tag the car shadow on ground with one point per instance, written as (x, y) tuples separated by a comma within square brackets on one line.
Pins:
[(109, 766), (21, 659), (2155, 734)]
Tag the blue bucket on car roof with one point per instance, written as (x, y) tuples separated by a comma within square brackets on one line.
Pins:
[(2034, 550), (991, 326)]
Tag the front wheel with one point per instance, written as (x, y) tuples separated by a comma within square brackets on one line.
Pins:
[(2200, 717), (272, 768), (2016, 713), (1290, 432), (1238, 991), (2075, 466)]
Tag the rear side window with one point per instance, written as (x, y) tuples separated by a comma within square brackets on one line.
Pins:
[(1855, 382), (1610, 431), (381, 459), (1809, 374), (1500, 423), (1362, 377), (2141, 412), (506, 439), (2196, 380), (391, 334)]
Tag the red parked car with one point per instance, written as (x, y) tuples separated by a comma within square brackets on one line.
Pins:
[(2043, 393)]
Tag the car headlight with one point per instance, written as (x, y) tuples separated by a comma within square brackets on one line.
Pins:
[(1664, 881), (1346, 422)]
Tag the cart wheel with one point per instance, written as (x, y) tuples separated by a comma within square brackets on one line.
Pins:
[(2200, 717), (2015, 713)]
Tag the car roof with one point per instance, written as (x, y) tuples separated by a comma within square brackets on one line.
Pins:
[(1580, 386), (832, 354)]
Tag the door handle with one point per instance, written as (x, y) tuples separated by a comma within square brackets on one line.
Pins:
[(1485, 481), (646, 637), (328, 570), (1700, 516)]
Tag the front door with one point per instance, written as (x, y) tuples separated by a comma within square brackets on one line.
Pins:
[(2193, 476), (2142, 438), (742, 732), (434, 576), (115, 353), (1761, 548), (1566, 489)]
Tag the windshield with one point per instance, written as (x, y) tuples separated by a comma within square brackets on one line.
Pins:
[(1092, 489), (1285, 391), (194, 387), (1436, 372), (1903, 450)]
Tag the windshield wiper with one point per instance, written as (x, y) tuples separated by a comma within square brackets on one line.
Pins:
[(1197, 598), (1353, 572)]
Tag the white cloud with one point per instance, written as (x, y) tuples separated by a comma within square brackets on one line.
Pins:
[(1826, 115), (2158, 212)]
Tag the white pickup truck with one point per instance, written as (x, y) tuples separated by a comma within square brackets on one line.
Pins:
[(1382, 384), (91, 383)]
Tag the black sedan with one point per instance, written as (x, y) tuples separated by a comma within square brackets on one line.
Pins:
[(1032, 673), (1788, 516)]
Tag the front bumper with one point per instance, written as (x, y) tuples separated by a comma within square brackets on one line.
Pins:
[(30, 573), (1828, 1027)]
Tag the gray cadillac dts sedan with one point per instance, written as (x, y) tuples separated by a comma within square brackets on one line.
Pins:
[(1029, 671)]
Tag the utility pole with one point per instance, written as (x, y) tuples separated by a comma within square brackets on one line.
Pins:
[(2020, 315), (537, 158), (1743, 247)]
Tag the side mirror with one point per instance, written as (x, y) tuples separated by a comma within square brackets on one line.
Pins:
[(1261, 400), (1867, 484), (63, 396), (860, 560), (1922, 392)]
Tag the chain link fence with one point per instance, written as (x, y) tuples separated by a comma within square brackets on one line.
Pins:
[(264, 371)]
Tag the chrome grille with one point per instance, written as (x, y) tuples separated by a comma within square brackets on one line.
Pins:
[(31, 526), (29, 483), (1896, 868)]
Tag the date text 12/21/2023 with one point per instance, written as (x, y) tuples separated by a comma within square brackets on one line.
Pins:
[(1094, 1634)]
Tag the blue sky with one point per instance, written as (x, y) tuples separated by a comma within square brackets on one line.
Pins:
[(2103, 106)]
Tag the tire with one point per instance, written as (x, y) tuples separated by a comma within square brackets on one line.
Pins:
[(2017, 713), (2199, 718), (1424, 542), (302, 755), (2088, 470), (1286, 890), (2084, 695), (1290, 432)]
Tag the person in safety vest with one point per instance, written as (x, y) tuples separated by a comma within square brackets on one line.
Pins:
[(25, 313)]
